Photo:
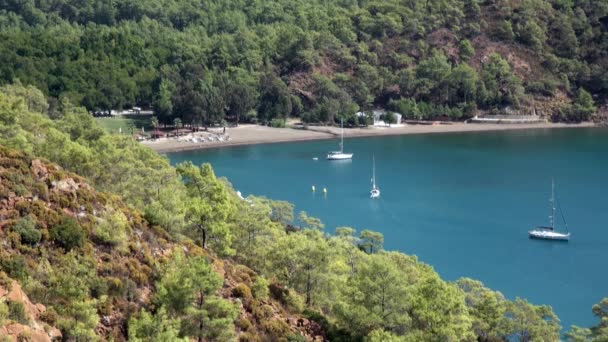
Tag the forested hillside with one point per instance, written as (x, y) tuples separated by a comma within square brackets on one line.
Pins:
[(205, 61), (136, 249)]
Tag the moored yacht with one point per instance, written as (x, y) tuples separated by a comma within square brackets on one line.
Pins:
[(546, 233), (549, 232), (340, 155), (374, 192)]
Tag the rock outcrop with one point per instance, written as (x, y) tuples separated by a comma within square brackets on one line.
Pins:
[(35, 330)]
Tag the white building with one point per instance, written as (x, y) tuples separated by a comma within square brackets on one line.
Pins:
[(377, 113)]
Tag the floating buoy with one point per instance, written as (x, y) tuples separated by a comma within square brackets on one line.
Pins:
[(313, 188), (315, 158)]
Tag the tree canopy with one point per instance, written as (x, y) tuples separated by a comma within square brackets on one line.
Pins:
[(208, 61)]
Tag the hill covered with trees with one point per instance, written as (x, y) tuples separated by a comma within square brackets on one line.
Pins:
[(132, 248), (206, 61)]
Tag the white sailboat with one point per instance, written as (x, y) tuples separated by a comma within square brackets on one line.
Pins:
[(340, 155), (374, 192), (548, 232)]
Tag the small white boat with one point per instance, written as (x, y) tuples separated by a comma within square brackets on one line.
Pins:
[(340, 155), (549, 232), (315, 158), (546, 233), (374, 192)]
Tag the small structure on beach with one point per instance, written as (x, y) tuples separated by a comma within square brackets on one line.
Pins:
[(378, 115), (158, 134), (181, 131)]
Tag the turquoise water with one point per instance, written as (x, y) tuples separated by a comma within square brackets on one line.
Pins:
[(460, 202)]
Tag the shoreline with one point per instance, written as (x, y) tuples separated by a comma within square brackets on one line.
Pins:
[(252, 134)]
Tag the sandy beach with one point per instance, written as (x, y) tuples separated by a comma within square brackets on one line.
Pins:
[(253, 134)]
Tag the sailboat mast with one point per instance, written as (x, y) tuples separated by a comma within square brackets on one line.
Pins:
[(373, 171), (552, 201), (341, 135)]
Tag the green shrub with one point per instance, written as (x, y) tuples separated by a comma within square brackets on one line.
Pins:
[(98, 289), (581, 109), (504, 31), (14, 239), (112, 229), (294, 301), (68, 234), (24, 336), (243, 274), (544, 87), (138, 272), (15, 267), (241, 291), (260, 288), (41, 190), (249, 337), (23, 207), (243, 324), (105, 307), (278, 329), (3, 312), (115, 286), (131, 293), (49, 316), (20, 190), (261, 313), (16, 312), (296, 338), (277, 123), (35, 290), (5, 281), (290, 298), (466, 49), (4, 192), (26, 228)]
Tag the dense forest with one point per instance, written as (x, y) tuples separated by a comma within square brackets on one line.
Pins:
[(103, 240), (208, 61)]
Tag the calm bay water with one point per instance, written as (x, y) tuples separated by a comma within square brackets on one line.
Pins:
[(462, 203)]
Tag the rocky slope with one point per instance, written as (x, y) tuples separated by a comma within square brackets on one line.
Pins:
[(29, 326), (42, 268)]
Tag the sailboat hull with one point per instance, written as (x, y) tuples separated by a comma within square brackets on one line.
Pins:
[(548, 235), (339, 156)]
